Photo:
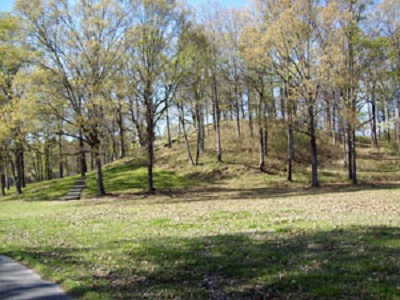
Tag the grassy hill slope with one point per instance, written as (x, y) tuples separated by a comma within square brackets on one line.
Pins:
[(217, 231), (239, 169)]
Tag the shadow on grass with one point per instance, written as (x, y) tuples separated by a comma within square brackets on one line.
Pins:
[(351, 263), (226, 193)]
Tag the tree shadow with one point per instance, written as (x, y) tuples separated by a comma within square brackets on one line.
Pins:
[(355, 263), (350, 263), (227, 193)]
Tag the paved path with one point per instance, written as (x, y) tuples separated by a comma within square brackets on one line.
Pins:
[(19, 283)]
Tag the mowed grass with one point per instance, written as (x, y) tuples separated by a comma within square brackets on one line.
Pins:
[(130, 175), (43, 191), (216, 231), (223, 242)]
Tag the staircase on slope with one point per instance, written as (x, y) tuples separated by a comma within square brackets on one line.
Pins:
[(75, 192)]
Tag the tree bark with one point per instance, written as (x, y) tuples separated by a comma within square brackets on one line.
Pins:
[(2, 175), (374, 137), (398, 123), (217, 121), (198, 133), (23, 180), (261, 164), (18, 175), (349, 151), (334, 111), (250, 112), (354, 159), (237, 109), (3, 184), (120, 123), (265, 127), (150, 136), (60, 153), (285, 98), (82, 155), (313, 147), (100, 190), (182, 121), (168, 125), (47, 167)]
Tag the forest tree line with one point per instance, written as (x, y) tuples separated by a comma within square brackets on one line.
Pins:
[(100, 76)]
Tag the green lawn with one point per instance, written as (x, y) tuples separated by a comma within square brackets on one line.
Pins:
[(43, 191), (216, 231), (132, 176), (237, 243)]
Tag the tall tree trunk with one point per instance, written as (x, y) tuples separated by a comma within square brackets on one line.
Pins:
[(60, 154), (18, 164), (23, 181), (349, 151), (2, 174), (345, 150), (40, 165), (261, 164), (7, 174), (265, 127), (217, 120), (198, 133), (289, 106), (374, 137), (120, 124), (354, 159), (290, 151), (283, 98), (250, 112), (237, 109), (387, 118), (182, 121), (313, 146), (13, 168), (202, 129), (334, 112), (353, 104), (100, 190), (328, 117), (398, 123), (3, 184), (272, 111), (47, 166), (168, 125), (150, 136), (82, 155)]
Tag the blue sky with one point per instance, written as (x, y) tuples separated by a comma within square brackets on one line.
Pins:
[(6, 5)]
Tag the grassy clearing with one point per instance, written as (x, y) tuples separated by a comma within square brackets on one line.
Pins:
[(217, 231), (204, 243)]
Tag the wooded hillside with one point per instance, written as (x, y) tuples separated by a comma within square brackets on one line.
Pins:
[(87, 82)]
